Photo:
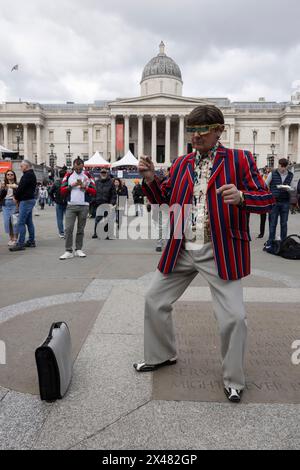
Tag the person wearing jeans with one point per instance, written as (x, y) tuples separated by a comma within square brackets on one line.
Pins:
[(25, 219), (9, 206), (279, 182), (61, 203), (77, 188), (25, 196), (60, 214)]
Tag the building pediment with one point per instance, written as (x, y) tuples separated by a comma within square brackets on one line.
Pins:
[(157, 100)]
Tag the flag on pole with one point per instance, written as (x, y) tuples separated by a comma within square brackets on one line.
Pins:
[(16, 67)]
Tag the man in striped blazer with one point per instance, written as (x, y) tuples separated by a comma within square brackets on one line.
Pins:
[(210, 193)]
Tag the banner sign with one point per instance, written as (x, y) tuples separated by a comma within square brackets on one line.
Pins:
[(5, 166), (120, 138)]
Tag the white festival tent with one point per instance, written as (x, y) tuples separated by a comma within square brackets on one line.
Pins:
[(4, 150), (128, 160), (95, 161)]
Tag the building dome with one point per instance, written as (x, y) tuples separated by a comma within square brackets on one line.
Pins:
[(161, 75), (161, 65)]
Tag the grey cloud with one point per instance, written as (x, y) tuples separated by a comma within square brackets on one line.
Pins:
[(96, 49)]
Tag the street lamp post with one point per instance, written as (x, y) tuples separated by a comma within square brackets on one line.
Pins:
[(254, 143), (18, 136), (69, 149), (52, 159), (272, 158)]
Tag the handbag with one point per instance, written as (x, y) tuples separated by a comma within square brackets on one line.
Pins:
[(14, 219), (54, 363)]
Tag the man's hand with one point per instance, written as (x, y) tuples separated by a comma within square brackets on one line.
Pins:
[(146, 169), (230, 193), (83, 186)]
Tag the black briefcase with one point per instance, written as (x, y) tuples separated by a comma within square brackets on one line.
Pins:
[(54, 363)]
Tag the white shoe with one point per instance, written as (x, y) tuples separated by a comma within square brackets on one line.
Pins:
[(67, 255), (11, 243), (61, 236), (80, 254)]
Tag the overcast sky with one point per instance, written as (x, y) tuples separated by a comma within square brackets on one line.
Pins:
[(84, 50)]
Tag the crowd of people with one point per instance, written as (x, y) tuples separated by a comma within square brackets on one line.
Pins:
[(78, 196), (286, 193)]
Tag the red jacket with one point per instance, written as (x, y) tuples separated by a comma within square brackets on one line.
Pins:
[(229, 224)]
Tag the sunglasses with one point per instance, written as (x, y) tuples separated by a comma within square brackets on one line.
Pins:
[(202, 129)]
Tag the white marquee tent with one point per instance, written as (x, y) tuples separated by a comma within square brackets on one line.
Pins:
[(4, 150), (128, 160), (95, 161)]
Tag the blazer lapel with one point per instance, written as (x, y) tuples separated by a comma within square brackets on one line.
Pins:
[(190, 170), (218, 165)]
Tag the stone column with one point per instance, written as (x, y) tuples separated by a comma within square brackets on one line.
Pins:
[(232, 135), (126, 133), (91, 140), (298, 147), (113, 139), (286, 141), (39, 143), (25, 137), (181, 147), (168, 140), (154, 139), (140, 135), (5, 131), (105, 139), (281, 140)]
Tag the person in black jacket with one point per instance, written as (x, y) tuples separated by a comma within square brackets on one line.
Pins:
[(61, 203), (122, 196), (25, 197), (279, 182), (138, 198), (105, 195)]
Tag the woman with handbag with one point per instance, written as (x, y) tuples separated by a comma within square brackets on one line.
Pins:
[(9, 205)]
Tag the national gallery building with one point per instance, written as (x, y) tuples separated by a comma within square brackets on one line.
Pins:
[(152, 123)]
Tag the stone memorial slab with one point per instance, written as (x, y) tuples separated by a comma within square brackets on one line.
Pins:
[(271, 375)]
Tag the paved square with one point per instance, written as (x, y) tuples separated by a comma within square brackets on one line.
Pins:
[(271, 376)]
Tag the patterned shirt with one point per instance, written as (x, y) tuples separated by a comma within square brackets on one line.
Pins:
[(198, 230)]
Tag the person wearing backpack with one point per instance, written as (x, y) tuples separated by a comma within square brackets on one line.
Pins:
[(60, 202), (279, 181)]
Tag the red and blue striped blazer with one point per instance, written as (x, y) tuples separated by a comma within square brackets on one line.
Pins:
[(229, 224)]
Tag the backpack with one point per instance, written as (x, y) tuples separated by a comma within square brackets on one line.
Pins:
[(290, 248)]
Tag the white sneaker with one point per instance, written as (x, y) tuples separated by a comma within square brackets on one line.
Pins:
[(80, 254), (67, 255), (11, 243), (61, 236)]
